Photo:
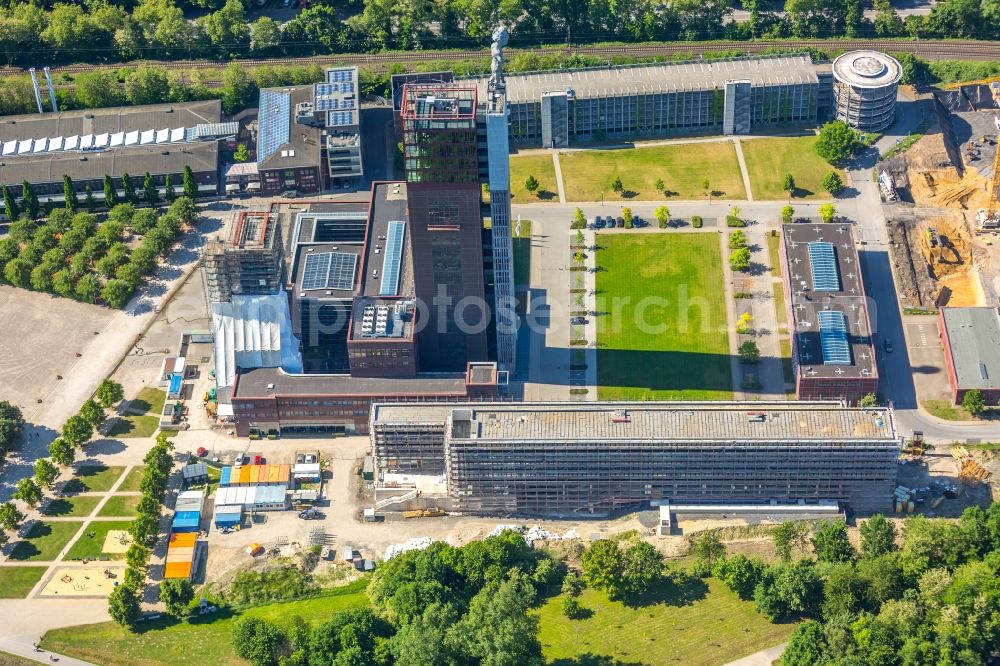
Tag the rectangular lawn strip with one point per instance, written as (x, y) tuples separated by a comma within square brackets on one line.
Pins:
[(72, 507), (684, 353), (120, 505), (774, 254), (135, 426), (698, 623), (544, 171), (522, 251), (45, 541), (93, 479), (682, 167), (169, 643), (91, 547), (768, 160), (132, 480), (13, 660), (16, 582), (150, 401)]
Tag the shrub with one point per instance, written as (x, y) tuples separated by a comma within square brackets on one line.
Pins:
[(733, 221), (696, 222), (832, 183)]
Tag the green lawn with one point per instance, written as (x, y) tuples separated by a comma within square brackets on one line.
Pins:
[(132, 480), (13, 660), (768, 160), (72, 507), (169, 643), (544, 171), (120, 505), (522, 252), (700, 622), (687, 357), (150, 402), (45, 541), (774, 254), (93, 479), (945, 409), (682, 167), (90, 547), (16, 582)]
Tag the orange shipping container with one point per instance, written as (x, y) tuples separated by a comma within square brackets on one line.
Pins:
[(177, 570), (286, 471), (183, 539), (273, 471), (244, 475), (254, 474)]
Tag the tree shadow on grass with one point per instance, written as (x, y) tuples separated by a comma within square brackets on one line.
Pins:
[(589, 659), (674, 590), (546, 195), (58, 507)]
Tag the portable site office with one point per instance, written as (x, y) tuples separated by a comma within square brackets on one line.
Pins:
[(187, 521), (182, 553), (253, 498), (191, 500), (228, 516)]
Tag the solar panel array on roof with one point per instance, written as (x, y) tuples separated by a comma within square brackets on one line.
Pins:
[(329, 270), (823, 263), (833, 338), (340, 118), (393, 258), (274, 123), (339, 75)]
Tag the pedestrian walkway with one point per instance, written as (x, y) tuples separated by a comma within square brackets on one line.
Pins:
[(743, 168), (559, 177), (729, 279)]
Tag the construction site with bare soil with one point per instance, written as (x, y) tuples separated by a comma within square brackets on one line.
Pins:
[(941, 203)]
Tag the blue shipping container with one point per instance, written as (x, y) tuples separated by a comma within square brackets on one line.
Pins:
[(226, 473), (186, 525), (187, 515)]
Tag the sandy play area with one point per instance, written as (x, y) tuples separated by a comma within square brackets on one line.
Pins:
[(117, 541), (86, 581)]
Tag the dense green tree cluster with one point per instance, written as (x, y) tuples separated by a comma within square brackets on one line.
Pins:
[(934, 599), (72, 255), (11, 426)]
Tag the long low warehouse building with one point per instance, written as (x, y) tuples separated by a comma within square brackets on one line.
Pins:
[(595, 459), (253, 498)]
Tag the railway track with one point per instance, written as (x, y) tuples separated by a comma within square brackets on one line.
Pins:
[(929, 49)]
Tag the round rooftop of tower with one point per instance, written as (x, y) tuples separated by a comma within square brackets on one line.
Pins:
[(867, 69)]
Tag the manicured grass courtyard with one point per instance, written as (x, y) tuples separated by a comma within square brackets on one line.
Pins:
[(16, 582), (700, 622), (93, 479), (544, 171), (132, 480), (150, 402), (120, 505), (665, 334), (13, 660), (768, 160), (170, 643), (91, 543), (522, 251), (72, 507), (45, 541), (682, 167)]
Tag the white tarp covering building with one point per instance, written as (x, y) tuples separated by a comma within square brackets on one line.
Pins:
[(253, 332)]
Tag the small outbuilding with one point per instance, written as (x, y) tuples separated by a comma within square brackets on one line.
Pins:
[(186, 521), (228, 516), (190, 500), (195, 474)]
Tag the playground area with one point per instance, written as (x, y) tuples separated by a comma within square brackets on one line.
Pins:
[(116, 542), (96, 580)]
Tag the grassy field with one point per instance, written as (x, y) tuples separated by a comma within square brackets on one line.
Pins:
[(700, 622), (14, 660), (90, 547), (539, 166), (120, 505), (72, 507), (768, 160), (45, 541), (167, 642), (683, 167), (132, 480), (150, 402), (944, 409), (687, 356), (522, 252), (774, 254), (16, 582), (94, 479)]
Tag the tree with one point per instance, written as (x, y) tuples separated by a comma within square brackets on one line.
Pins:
[(627, 217), (572, 585), (184, 210), (265, 34), (974, 402), (98, 89), (878, 536), (28, 492), (617, 186), (806, 645), (831, 543), (190, 187), (110, 193), (129, 188), (29, 200), (242, 153), (827, 212), (740, 574), (423, 640), (836, 141), (18, 272), (41, 277), (109, 393), (228, 27), (662, 214), (149, 191), (749, 352), (69, 194), (238, 89), (744, 324), (117, 292), (660, 185), (787, 212), (531, 184), (168, 189), (10, 204), (643, 568), (123, 606), (788, 184), (579, 220), (88, 198), (706, 188), (77, 430), (10, 516), (571, 608), (93, 413), (62, 452), (46, 473), (176, 594), (602, 563), (708, 547), (737, 240), (832, 183), (868, 401), (498, 628), (787, 535), (739, 260), (147, 84), (11, 426)]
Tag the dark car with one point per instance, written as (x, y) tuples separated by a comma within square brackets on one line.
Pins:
[(620, 222), (599, 222), (578, 320), (887, 346), (310, 514)]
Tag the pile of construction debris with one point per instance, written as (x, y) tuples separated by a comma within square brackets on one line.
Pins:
[(536, 533), (968, 468), (395, 549)]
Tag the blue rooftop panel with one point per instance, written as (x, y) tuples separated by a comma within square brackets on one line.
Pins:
[(833, 338), (274, 123), (393, 258), (823, 263)]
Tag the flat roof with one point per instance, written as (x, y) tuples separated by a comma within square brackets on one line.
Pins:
[(388, 205), (974, 345), (302, 148), (824, 278), (657, 78), (344, 257), (254, 384), (658, 421), (867, 69)]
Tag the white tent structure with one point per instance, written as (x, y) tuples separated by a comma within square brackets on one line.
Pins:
[(253, 332)]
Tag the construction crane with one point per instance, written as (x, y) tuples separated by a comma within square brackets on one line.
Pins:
[(987, 217)]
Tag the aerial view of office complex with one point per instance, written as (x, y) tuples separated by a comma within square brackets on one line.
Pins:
[(380, 334)]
